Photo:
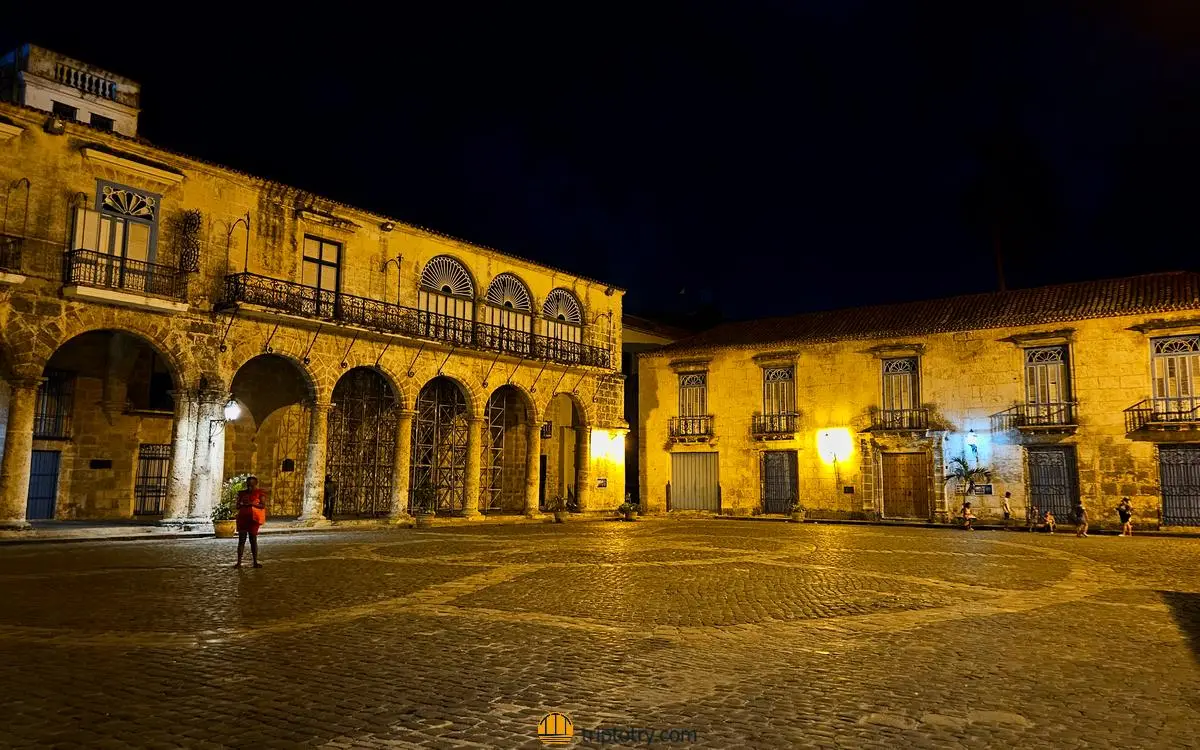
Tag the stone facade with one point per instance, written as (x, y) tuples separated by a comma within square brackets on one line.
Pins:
[(172, 296), (970, 401)]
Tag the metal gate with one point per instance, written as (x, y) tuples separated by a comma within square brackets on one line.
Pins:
[(694, 482), (1053, 480), (439, 467), (1179, 471), (907, 478), (502, 481), (362, 444), (153, 471), (43, 485), (779, 489)]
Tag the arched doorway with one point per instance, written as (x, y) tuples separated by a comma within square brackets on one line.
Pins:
[(103, 430), (439, 464), (505, 447), (361, 450), (560, 451), (270, 438)]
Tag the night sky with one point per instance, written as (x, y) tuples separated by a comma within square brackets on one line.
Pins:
[(746, 160)]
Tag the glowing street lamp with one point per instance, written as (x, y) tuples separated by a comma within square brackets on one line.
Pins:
[(232, 410)]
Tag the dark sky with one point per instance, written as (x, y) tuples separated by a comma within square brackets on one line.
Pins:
[(767, 158)]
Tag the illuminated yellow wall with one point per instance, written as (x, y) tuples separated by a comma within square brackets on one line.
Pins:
[(965, 378)]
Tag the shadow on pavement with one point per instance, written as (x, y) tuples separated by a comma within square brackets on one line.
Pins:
[(1186, 610)]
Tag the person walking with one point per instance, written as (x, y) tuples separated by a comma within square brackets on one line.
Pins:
[(1005, 507), (330, 496), (251, 514), (1125, 511), (1033, 515), (1081, 519)]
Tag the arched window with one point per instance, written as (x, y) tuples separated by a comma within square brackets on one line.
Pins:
[(446, 299), (509, 315), (564, 324)]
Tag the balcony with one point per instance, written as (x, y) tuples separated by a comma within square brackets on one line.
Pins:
[(901, 420), (1164, 414), (773, 426), (346, 309), (88, 83), (122, 281), (1049, 417), (690, 429)]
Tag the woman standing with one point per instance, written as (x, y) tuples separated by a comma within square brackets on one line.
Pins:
[(251, 514)]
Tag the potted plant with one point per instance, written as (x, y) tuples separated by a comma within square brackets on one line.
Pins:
[(798, 512), (627, 509), (558, 506), (224, 513), (423, 506)]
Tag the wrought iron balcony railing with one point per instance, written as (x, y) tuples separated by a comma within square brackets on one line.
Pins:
[(10, 253), (1036, 416), (690, 429), (901, 420), (90, 268), (347, 309), (768, 426), (1163, 414), (52, 426)]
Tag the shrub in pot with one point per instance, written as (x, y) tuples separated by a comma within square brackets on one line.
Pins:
[(224, 513)]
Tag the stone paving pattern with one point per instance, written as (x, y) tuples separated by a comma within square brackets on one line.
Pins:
[(752, 634)]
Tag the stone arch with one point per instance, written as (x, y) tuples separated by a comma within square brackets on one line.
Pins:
[(178, 359), (510, 420), (587, 416), (360, 456), (400, 388), (476, 399), (441, 444), (269, 439), (311, 382), (565, 422)]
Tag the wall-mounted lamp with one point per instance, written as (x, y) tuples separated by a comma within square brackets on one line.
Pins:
[(972, 441), (55, 125), (388, 226), (233, 410)]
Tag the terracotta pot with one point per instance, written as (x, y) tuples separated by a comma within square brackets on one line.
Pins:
[(560, 516), (798, 516), (424, 522), (629, 516), (224, 529)]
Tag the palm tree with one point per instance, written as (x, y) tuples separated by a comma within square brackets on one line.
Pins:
[(960, 470)]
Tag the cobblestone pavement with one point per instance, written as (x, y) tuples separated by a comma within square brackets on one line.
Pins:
[(749, 634)]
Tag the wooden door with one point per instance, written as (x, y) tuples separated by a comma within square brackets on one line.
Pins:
[(906, 485), (43, 485)]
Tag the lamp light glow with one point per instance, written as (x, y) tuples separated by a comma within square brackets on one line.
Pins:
[(834, 444), (972, 438), (233, 410)]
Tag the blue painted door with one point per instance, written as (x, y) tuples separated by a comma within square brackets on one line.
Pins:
[(43, 485)]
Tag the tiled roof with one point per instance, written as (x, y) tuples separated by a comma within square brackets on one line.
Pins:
[(1134, 295)]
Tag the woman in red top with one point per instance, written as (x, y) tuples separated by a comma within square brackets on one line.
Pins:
[(251, 514)]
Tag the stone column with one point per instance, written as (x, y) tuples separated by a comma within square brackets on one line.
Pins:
[(18, 452), (208, 466), (402, 470), (183, 453), (314, 472), (583, 467), (533, 468), (474, 467)]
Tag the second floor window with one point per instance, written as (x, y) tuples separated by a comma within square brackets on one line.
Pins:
[(322, 270), (779, 392), (124, 224), (901, 387), (1046, 376), (1176, 369), (693, 394), (65, 111)]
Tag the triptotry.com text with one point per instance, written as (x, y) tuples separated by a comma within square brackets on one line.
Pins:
[(636, 736)]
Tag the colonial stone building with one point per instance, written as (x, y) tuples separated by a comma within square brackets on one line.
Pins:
[(1084, 390), (168, 323)]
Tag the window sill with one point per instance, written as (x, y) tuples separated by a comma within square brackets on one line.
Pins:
[(8, 132), (125, 299)]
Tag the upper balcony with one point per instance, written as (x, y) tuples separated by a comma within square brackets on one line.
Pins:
[(901, 420), (123, 281), (773, 426), (1048, 418), (346, 309), (1181, 413), (690, 429)]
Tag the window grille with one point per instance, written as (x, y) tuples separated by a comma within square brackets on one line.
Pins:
[(693, 394), (779, 392), (55, 405), (1176, 368), (153, 474), (900, 385)]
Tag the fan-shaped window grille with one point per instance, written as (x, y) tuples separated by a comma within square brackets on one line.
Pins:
[(446, 275), (562, 306), (506, 290)]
